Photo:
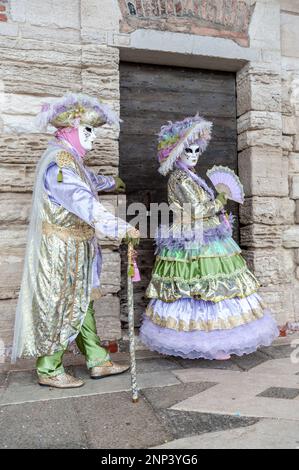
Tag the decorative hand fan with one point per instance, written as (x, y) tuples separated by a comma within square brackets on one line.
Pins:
[(226, 181)]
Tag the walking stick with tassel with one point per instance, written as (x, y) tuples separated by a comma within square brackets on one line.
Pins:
[(133, 276)]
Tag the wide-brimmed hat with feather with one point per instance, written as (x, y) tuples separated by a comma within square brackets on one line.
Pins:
[(174, 137), (75, 109)]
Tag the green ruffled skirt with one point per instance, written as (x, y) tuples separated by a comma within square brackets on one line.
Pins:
[(220, 274)]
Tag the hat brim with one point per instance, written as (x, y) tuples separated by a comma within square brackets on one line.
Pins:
[(188, 138)]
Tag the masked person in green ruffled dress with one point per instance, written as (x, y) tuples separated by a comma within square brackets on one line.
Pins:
[(63, 260), (203, 298)]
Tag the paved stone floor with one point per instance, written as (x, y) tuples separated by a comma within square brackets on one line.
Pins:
[(246, 402)]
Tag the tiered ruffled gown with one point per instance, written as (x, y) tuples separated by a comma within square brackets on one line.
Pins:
[(204, 301)]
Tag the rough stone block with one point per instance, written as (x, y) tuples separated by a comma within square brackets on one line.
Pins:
[(7, 318), (279, 299), (287, 143), (6, 336), (104, 57), (263, 171), (259, 120), (14, 208), (9, 29), (267, 14), (261, 236), (64, 14), (93, 18), (22, 148), (295, 300), (294, 162), (289, 35), (290, 237), (289, 126), (40, 52), (296, 137), (297, 211), (11, 276), (258, 90), (16, 104), (19, 124), (16, 177), (28, 148), (12, 250), (36, 79), (289, 5), (105, 155), (271, 266), (107, 317), (294, 190), (265, 137), (101, 83), (7, 314), (110, 277), (42, 33), (267, 210)]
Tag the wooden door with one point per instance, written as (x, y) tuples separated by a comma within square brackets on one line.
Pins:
[(151, 95)]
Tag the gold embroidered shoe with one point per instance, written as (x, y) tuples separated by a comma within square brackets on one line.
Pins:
[(60, 381), (108, 368)]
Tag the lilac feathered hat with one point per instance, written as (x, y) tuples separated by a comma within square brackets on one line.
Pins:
[(74, 109), (175, 137)]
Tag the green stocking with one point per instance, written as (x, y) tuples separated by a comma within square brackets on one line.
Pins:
[(89, 343), (50, 365)]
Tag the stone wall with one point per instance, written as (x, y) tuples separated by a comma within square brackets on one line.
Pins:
[(47, 48), (43, 56), (290, 129), (268, 163)]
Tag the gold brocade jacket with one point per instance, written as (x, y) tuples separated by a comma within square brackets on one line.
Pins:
[(53, 315)]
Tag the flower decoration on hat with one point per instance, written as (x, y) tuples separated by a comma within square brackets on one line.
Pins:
[(175, 137), (76, 109)]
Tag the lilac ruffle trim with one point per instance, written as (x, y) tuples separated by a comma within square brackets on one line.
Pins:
[(241, 340), (165, 239), (188, 310)]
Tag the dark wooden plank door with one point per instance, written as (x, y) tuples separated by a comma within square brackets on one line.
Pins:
[(151, 95)]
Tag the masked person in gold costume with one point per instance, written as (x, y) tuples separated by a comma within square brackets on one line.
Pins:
[(203, 297), (63, 259)]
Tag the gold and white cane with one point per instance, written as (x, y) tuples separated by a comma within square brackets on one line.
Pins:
[(130, 292)]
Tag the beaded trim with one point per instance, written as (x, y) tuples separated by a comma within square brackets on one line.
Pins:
[(65, 234), (64, 158), (194, 258), (199, 296), (219, 324), (201, 278)]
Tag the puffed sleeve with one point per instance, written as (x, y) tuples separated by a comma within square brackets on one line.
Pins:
[(101, 182), (76, 197), (193, 194)]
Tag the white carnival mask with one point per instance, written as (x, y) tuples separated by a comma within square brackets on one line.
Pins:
[(190, 155), (87, 136)]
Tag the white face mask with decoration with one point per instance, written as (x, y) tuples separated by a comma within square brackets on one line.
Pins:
[(87, 136), (190, 156)]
